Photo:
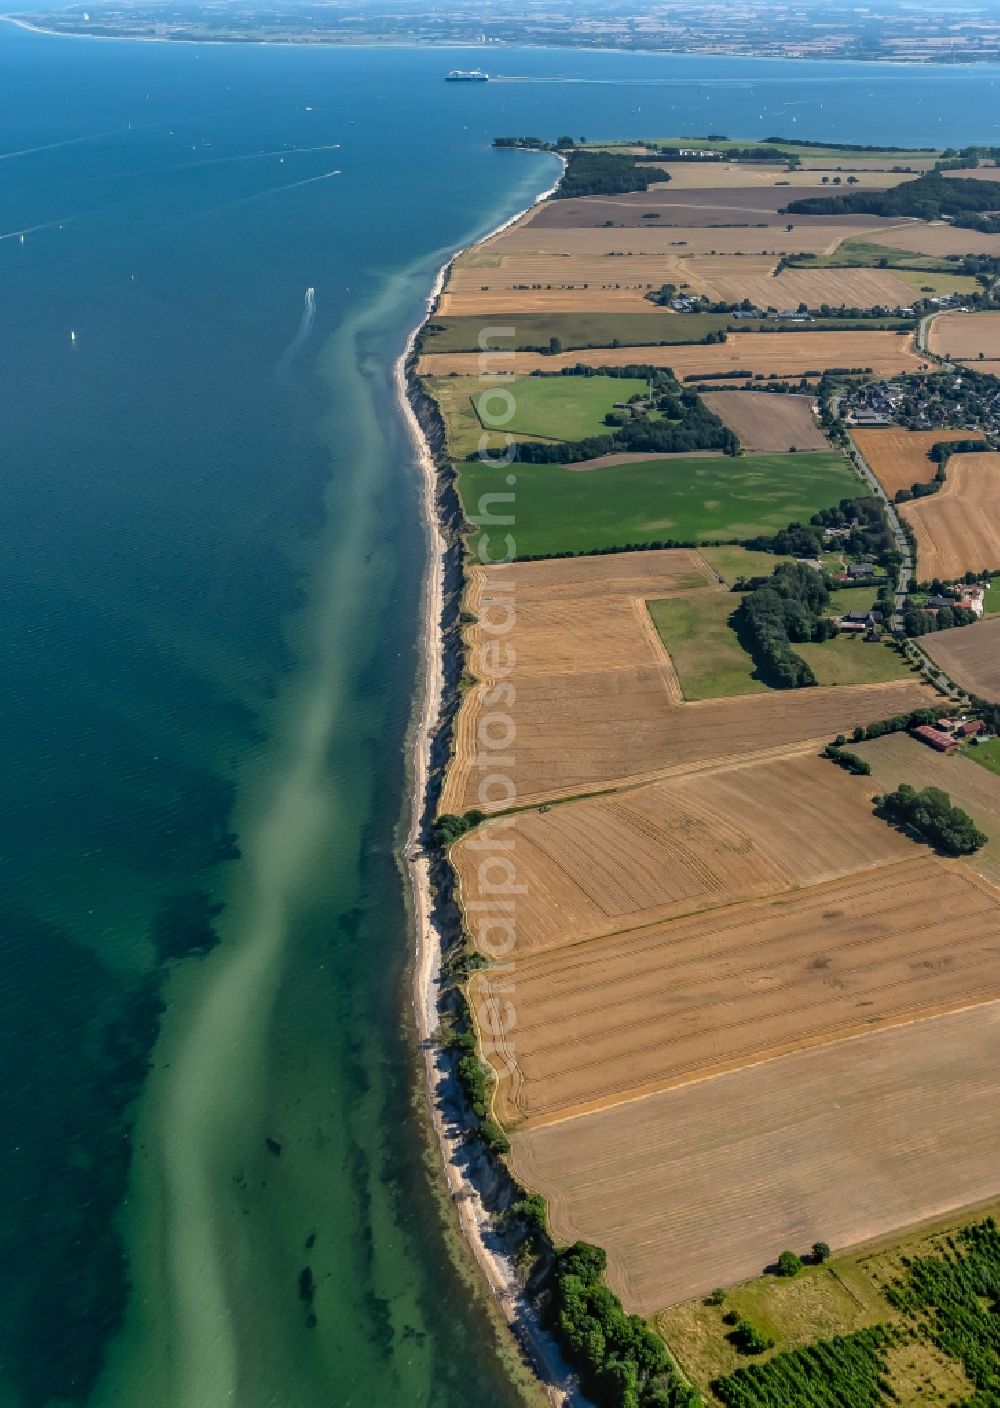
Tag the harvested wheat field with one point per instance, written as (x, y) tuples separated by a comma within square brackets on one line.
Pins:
[(637, 574), (759, 205), (897, 758), (958, 529), (584, 732), (971, 656), (702, 175), (625, 1015), (587, 273), (898, 458), (669, 848), (963, 336), (499, 302), (704, 1185), (766, 422), (981, 173), (596, 696), (923, 238), (530, 237), (786, 353), (729, 278)]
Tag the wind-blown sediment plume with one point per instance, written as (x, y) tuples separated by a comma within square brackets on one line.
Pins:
[(301, 337)]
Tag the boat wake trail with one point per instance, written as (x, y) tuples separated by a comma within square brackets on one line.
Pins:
[(301, 337)]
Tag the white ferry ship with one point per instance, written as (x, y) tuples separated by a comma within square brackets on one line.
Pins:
[(467, 75)]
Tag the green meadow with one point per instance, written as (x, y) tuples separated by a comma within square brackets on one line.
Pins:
[(553, 407), (688, 499)]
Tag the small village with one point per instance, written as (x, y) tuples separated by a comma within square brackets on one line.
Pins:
[(965, 400)]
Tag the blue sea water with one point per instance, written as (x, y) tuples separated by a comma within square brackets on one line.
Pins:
[(210, 565)]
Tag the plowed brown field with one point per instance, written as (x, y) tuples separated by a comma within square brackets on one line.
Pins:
[(670, 848), (958, 529), (631, 1013), (596, 699), (898, 458), (787, 353), (767, 422), (971, 656), (922, 238), (702, 1186), (964, 335)]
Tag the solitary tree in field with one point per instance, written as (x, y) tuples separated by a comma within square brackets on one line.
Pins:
[(789, 1264), (821, 1251)]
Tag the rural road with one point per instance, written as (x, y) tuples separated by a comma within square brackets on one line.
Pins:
[(923, 330)]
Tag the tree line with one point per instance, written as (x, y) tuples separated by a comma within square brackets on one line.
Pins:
[(968, 203), (622, 1363)]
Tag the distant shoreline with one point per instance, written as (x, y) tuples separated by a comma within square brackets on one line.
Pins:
[(357, 42)]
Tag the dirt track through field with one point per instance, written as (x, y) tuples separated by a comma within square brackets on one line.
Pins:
[(702, 1186)]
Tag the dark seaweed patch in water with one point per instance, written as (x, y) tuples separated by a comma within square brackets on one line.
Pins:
[(183, 926), (67, 1131)]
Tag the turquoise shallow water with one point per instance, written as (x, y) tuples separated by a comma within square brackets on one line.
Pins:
[(211, 550)]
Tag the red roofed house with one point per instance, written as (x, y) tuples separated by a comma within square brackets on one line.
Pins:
[(943, 742)]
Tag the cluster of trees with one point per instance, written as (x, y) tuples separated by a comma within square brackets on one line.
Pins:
[(988, 712), (869, 535), (968, 203), (687, 425), (448, 827), (930, 812), (919, 489), (942, 450), (788, 606), (561, 144), (953, 1299), (847, 760), (848, 1369), (918, 622), (746, 1338), (962, 158), (621, 1362), (605, 174)]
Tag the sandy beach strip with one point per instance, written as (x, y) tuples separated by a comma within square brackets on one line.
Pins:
[(499, 1272)]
